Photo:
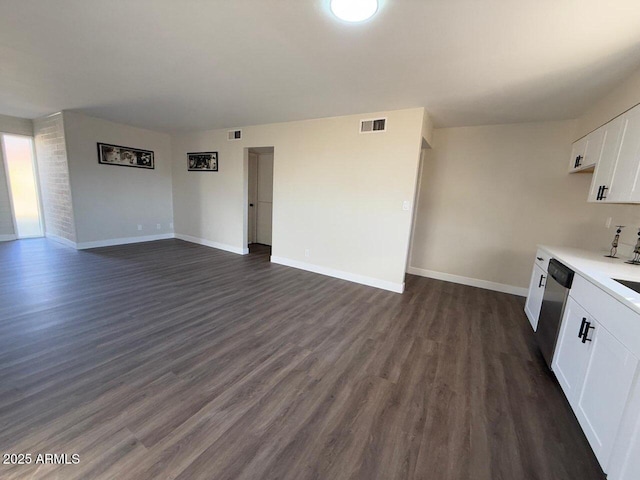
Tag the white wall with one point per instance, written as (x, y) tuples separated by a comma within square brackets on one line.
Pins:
[(427, 129), (111, 201), (490, 194), (15, 126), (337, 193), (618, 100)]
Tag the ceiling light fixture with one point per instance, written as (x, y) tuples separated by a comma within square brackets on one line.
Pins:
[(354, 10)]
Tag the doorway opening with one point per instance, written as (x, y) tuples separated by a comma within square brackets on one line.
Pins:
[(22, 185), (260, 200)]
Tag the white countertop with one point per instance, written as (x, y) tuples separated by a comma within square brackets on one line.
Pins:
[(601, 271)]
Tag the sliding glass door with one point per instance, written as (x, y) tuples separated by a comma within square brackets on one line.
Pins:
[(17, 152)]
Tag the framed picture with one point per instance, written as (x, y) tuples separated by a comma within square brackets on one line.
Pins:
[(125, 156), (202, 162)]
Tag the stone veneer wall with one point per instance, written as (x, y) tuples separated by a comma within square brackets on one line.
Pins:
[(53, 170)]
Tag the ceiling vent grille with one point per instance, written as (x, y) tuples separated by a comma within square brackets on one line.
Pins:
[(234, 134), (374, 125)]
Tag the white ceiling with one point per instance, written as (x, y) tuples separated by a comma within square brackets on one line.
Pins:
[(198, 64)]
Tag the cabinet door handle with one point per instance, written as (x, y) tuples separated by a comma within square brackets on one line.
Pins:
[(584, 322), (602, 195), (587, 327), (540, 282), (578, 158), (599, 195), (540, 259)]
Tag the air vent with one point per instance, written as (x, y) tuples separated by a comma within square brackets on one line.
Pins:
[(373, 125), (234, 135)]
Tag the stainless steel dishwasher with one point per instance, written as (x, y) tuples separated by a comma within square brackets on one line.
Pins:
[(556, 290)]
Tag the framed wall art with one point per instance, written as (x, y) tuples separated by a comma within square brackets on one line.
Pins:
[(202, 162), (125, 156)]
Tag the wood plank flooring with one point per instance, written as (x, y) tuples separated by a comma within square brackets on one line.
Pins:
[(169, 360)]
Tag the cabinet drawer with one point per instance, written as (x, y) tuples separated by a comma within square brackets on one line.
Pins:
[(622, 322), (542, 259)]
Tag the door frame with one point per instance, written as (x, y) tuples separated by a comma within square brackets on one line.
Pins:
[(36, 179), (245, 196), (252, 211)]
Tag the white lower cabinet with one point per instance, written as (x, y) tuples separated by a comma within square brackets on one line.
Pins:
[(605, 391), (534, 298), (596, 373), (571, 355), (625, 458)]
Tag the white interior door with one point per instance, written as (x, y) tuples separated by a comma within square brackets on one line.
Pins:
[(265, 198), (253, 196)]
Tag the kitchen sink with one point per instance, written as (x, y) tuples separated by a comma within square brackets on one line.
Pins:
[(635, 286)]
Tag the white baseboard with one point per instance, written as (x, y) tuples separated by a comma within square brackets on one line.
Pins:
[(352, 277), (8, 237), (123, 241), (209, 243), (62, 240), (472, 282)]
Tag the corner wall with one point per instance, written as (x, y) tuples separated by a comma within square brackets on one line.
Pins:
[(337, 193), (53, 172), (111, 201), (491, 194)]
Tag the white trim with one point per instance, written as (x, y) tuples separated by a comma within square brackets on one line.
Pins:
[(8, 237), (123, 241), (352, 277), (472, 282), (62, 240), (212, 244)]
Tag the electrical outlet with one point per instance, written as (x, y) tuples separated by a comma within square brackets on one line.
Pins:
[(158, 226), (406, 205), (608, 222), (139, 227), (306, 252), (171, 225)]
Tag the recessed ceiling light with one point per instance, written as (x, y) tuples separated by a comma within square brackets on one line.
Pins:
[(354, 10)]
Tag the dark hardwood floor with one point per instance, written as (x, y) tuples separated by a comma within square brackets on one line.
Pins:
[(173, 360)]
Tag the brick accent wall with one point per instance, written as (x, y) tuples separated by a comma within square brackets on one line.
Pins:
[(53, 170)]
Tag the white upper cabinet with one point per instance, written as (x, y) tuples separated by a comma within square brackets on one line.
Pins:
[(617, 171), (624, 187), (586, 151), (603, 175), (577, 155)]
